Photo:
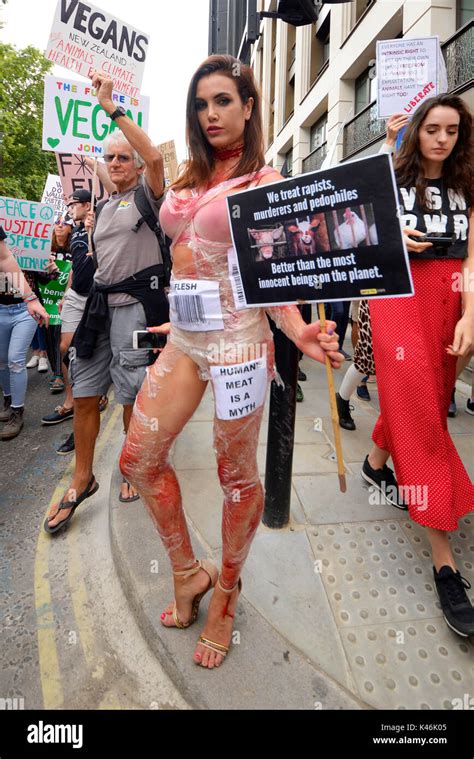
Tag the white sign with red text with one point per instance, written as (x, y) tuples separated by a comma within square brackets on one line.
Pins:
[(85, 38), (408, 72)]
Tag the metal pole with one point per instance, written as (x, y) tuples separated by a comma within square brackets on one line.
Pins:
[(281, 434)]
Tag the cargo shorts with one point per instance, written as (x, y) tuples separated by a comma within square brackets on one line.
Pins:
[(114, 360)]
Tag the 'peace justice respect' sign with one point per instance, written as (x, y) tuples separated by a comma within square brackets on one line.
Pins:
[(75, 122), (84, 38), (29, 227)]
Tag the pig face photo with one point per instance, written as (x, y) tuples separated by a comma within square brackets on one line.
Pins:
[(307, 236), (268, 243), (352, 227)]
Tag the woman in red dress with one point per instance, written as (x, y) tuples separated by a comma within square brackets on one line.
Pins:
[(418, 339)]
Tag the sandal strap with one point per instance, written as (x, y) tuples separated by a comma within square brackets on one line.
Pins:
[(218, 648), (73, 504), (189, 572), (238, 585), (177, 620)]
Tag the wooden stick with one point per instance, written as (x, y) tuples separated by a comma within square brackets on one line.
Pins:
[(89, 233), (334, 414)]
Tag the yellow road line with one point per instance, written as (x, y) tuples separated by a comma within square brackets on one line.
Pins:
[(50, 674), (84, 621)]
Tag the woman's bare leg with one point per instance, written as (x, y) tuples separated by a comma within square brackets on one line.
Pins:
[(171, 392), (236, 447), (440, 549), (378, 457)]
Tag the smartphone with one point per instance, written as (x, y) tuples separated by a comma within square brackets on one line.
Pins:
[(149, 340), (437, 238)]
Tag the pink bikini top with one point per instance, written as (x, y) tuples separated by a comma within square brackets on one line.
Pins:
[(207, 211)]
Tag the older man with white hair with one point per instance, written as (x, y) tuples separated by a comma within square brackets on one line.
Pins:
[(127, 295)]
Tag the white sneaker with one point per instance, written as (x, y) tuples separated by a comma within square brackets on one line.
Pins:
[(33, 361), (43, 364)]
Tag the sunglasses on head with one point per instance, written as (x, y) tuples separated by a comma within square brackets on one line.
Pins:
[(109, 157)]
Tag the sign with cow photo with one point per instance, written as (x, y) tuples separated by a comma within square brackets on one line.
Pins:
[(329, 235)]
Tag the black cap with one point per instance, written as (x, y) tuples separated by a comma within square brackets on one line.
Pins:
[(82, 196)]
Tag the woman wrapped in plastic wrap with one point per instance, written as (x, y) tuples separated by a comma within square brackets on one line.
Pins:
[(210, 340)]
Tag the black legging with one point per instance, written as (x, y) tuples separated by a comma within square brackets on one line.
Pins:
[(53, 339)]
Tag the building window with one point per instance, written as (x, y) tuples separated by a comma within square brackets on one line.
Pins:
[(465, 11), (290, 69), (318, 133), (358, 8), (288, 165), (271, 119), (320, 47), (365, 90)]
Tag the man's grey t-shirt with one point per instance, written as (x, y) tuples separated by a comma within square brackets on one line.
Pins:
[(121, 252)]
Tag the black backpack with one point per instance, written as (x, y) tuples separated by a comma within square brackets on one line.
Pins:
[(148, 217)]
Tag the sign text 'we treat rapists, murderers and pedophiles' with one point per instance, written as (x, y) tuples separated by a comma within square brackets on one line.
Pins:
[(325, 236), (85, 38), (75, 122)]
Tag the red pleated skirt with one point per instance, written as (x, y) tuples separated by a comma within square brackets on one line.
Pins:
[(415, 378)]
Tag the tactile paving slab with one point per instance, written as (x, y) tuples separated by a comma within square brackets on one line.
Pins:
[(414, 665), (461, 541), (372, 574)]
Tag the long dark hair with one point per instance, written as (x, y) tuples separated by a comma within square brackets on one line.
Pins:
[(458, 166), (199, 167)]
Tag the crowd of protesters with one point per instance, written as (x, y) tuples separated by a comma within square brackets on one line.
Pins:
[(109, 296)]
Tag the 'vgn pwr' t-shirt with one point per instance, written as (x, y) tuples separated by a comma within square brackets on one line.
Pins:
[(447, 212)]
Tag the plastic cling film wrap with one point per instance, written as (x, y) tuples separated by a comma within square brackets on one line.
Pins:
[(240, 352), (171, 392)]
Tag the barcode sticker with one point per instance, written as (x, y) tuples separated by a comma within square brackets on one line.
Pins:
[(236, 280), (195, 305)]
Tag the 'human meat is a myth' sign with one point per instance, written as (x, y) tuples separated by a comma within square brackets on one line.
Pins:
[(75, 122), (85, 38), (329, 235)]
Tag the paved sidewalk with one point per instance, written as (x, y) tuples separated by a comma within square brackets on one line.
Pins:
[(338, 610)]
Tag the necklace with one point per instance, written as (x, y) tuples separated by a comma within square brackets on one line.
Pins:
[(225, 153)]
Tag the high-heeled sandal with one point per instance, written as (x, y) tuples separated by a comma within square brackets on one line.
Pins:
[(213, 573), (219, 648)]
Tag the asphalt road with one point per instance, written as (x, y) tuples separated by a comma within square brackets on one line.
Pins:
[(67, 637)]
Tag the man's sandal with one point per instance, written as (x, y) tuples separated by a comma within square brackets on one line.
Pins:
[(218, 648), (213, 573), (70, 505)]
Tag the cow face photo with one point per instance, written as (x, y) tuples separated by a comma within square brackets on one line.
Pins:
[(307, 236)]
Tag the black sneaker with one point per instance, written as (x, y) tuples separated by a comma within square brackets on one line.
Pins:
[(67, 446), (301, 376), (455, 605), (384, 481), (344, 413), (299, 394), (469, 406), (363, 392)]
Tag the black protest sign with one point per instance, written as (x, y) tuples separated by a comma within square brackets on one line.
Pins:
[(325, 236)]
